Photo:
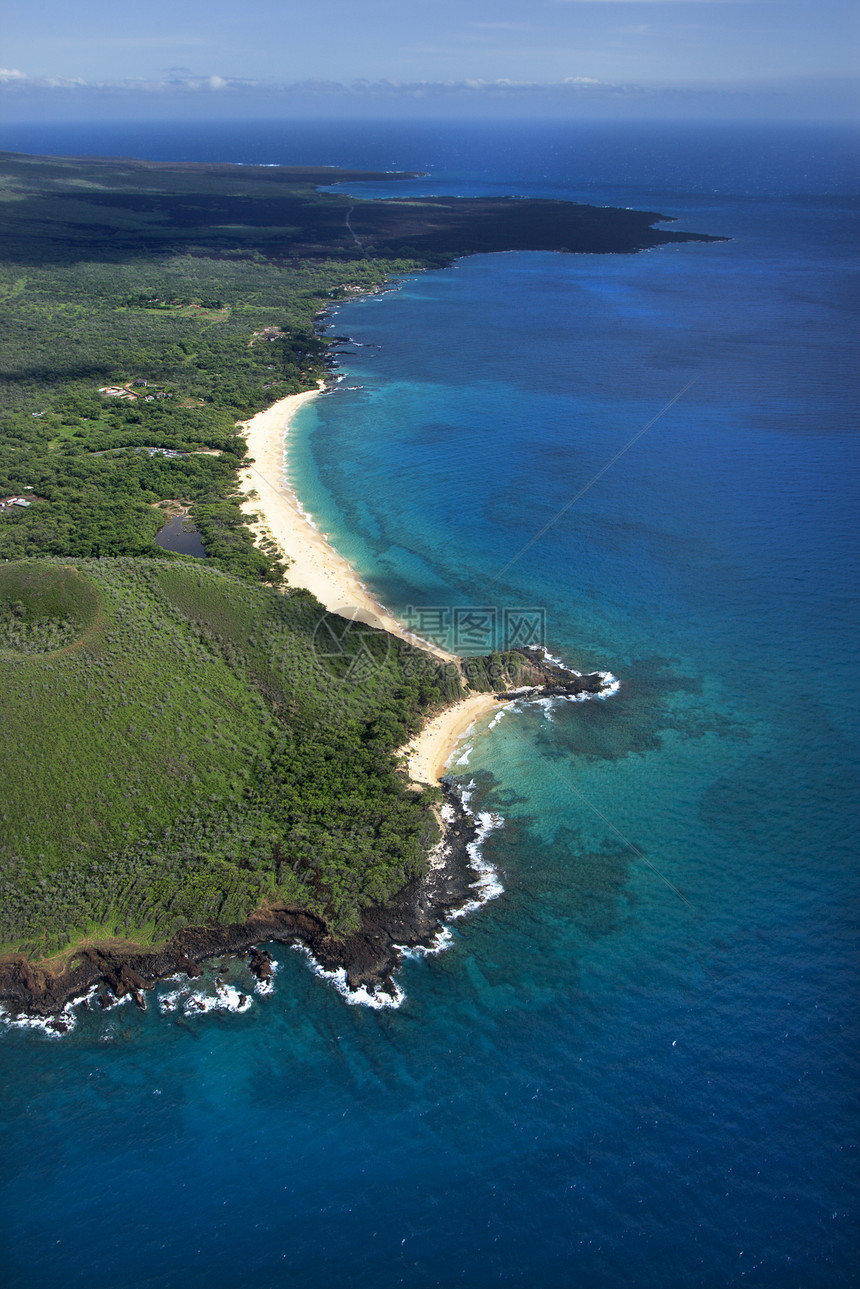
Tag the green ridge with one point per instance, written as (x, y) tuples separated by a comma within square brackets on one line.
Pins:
[(199, 746), (178, 741)]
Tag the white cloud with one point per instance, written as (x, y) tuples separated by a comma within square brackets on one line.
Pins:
[(574, 93), (174, 81)]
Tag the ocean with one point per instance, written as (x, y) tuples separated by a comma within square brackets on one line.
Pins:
[(637, 1066)]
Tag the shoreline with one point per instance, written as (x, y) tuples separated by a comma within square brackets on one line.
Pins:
[(430, 751), (361, 965), (418, 909), (316, 566), (313, 562), (457, 881)]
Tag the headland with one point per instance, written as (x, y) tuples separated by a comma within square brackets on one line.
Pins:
[(215, 659)]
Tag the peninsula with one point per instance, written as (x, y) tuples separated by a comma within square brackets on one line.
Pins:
[(200, 755)]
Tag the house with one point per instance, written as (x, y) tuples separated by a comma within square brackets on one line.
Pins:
[(117, 391)]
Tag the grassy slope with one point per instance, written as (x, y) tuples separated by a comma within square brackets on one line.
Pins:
[(176, 745), (186, 754)]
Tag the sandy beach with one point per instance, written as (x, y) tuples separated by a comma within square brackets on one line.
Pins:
[(428, 754), (314, 563)]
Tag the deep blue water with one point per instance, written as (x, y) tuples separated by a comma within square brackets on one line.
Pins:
[(639, 1065)]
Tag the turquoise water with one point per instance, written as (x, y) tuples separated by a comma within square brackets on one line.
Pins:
[(638, 1065)]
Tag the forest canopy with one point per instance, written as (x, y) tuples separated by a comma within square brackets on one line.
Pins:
[(175, 751)]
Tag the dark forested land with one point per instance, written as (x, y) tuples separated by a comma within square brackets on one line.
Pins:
[(177, 749), (62, 210)]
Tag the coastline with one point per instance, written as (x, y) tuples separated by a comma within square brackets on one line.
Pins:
[(361, 966), (314, 564), (428, 754)]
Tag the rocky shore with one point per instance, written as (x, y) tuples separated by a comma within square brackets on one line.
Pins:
[(550, 679), (370, 956)]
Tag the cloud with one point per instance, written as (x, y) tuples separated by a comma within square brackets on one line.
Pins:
[(174, 81), (182, 81), (178, 91)]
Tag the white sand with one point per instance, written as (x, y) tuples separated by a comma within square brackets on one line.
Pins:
[(429, 753), (316, 565)]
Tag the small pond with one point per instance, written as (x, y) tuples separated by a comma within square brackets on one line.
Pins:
[(180, 535)]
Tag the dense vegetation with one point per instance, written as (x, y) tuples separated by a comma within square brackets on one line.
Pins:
[(181, 743), (189, 746), (197, 336)]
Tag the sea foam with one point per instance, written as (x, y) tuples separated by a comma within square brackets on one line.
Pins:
[(361, 997), (487, 885), (197, 1002), (64, 1022)]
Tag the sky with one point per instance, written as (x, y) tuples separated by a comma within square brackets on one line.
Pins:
[(427, 55)]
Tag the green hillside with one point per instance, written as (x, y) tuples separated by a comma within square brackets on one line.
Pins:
[(180, 746), (180, 743)]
